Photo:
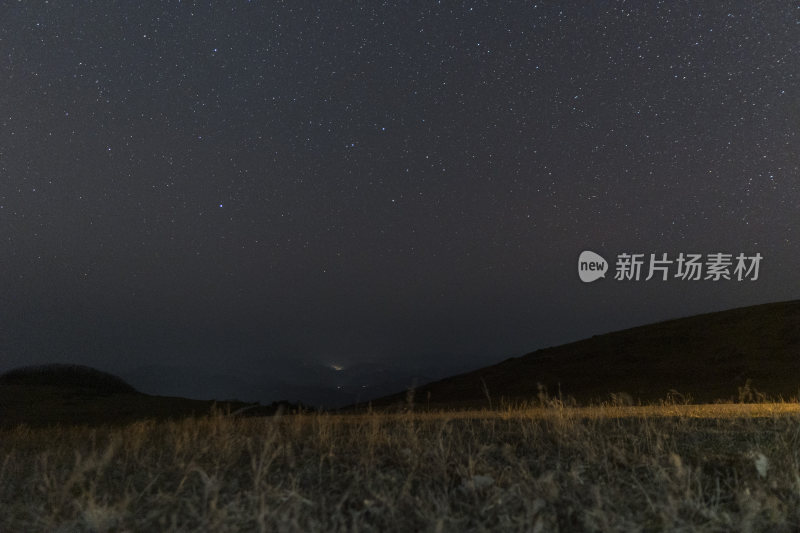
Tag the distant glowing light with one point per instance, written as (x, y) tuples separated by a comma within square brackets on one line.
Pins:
[(338, 368)]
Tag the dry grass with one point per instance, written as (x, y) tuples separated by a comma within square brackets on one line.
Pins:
[(547, 468)]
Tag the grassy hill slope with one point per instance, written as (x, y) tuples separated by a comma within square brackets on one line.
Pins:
[(707, 356)]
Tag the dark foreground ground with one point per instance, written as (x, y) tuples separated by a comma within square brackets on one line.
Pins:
[(549, 468)]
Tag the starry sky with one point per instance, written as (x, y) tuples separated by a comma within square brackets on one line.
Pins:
[(232, 185)]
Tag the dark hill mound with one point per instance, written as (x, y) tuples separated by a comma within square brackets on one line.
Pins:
[(67, 376), (709, 357), (78, 395)]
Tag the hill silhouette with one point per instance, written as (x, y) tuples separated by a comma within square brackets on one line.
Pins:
[(709, 357), (74, 394), (67, 376)]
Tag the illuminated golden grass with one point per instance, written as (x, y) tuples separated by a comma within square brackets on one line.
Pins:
[(716, 411), (725, 467)]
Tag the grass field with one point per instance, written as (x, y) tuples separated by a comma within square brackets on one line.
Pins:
[(733, 467)]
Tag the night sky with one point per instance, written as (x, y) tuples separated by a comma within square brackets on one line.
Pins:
[(241, 186)]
